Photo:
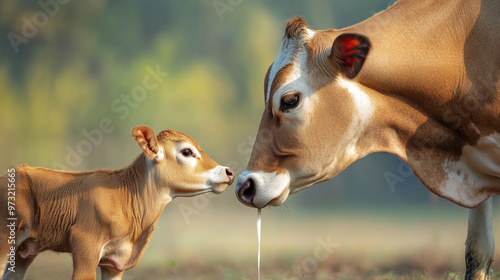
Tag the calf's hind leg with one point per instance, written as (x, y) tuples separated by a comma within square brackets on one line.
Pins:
[(480, 244), (14, 267), (19, 270), (4, 251)]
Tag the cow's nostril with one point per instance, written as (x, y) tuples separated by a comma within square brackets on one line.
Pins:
[(250, 191), (247, 192)]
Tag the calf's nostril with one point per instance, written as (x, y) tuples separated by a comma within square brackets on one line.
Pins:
[(230, 175)]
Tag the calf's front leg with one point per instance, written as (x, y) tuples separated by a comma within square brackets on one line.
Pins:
[(480, 243)]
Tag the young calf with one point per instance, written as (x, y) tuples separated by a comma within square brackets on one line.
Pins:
[(103, 218)]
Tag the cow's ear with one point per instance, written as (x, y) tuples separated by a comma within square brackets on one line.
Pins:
[(349, 51), (146, 138)]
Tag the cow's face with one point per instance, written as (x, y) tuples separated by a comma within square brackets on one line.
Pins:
[(313, 117)]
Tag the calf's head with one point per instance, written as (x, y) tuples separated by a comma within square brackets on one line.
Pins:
[(314, 114), (176, 161)]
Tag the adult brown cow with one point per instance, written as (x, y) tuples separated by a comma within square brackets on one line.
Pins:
[(419, 80)]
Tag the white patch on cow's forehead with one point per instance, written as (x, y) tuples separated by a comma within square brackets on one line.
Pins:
[(285, 56), (295, 79)]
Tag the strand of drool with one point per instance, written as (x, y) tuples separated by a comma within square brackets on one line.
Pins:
[(259, 229)]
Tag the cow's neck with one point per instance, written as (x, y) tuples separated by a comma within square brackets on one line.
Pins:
[(415, 65), (414, 73), (417, 62), (417, 51)]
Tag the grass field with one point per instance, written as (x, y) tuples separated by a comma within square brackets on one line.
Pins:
[(197, 240)]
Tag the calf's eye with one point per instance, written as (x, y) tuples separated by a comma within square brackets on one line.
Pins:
[(187, 152)]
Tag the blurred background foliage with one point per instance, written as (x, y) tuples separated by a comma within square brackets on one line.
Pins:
[(69, 98)]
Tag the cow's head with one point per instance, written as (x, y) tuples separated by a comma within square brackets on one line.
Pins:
[(314, 116)]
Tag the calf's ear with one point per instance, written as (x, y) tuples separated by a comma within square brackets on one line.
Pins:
[(146, 138), (349, 51)]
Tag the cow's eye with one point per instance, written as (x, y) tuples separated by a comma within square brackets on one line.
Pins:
[(187, 152), (289, 101)]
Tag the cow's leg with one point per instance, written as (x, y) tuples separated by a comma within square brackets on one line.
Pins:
[(85, 252), (19, 270), (111, 274), (480, 244)]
